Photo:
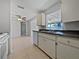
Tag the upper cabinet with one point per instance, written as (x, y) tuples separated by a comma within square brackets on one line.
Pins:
[(70, 10), (41, 19)]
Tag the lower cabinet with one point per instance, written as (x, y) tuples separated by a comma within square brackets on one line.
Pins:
[(59, 47), (67, 52), (48, 46), (41, 43)]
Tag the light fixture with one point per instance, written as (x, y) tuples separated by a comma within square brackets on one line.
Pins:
[(19, 19)]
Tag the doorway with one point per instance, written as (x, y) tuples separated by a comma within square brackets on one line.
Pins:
[(23, 28), (28, 28)]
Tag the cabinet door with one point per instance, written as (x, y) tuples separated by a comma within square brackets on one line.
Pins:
[(39, 19), (43, 19), (67, 52), (70, 10), (50, 48), (41, 43)]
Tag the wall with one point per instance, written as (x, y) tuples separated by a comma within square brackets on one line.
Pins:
[(4, 15), (5, 18), (34, 25), (15, 25), (53, 8), (71, 26)]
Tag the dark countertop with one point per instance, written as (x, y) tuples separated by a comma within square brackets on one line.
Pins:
[(68, 33)]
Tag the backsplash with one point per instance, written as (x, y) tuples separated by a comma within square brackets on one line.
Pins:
[(71, 25)]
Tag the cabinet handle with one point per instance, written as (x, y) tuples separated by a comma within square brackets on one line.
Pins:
[(68, 41), (56, 43)]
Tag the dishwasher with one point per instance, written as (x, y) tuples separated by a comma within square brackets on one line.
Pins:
[(35, 37), (4, 47)]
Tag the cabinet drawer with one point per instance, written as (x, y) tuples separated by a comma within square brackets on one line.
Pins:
[(63, 39), (48, 36), (74, 42), (69, 40)]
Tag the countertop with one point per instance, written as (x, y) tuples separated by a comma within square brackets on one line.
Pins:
[(2, 35), (68, 33)]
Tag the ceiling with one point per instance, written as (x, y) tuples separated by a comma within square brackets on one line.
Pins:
[(37, 5), (34, 6)]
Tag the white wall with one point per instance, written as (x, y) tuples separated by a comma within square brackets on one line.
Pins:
[(53, 8), (5, 18), (71, 26), (34, 25), (15, 26), (31, 25), (4, 15)]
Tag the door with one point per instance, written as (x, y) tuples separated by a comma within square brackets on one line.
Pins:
[(23, 28), (67, 52), (50, 47)]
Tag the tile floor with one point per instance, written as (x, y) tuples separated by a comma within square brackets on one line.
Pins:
[(23, 48)]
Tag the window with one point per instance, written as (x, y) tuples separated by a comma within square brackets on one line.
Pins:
[(54, 20), (55, 26)]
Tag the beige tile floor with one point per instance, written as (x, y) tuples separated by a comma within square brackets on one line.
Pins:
[(23, 48)]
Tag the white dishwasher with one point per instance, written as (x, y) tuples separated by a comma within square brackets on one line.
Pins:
[(4, 46), (35, 37)]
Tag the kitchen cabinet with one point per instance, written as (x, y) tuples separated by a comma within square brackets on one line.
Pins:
[(67, 52), (47, 44), (48, 36), (70, 10), (68, 40), (67, 48), (41, 43), (41, 19), (59, 47), (50, 48)]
